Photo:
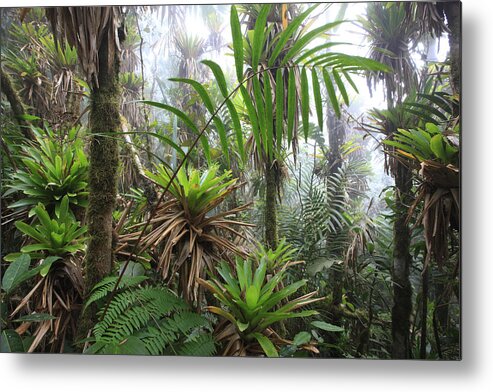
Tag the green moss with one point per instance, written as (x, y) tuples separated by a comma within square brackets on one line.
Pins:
[(103, 169)]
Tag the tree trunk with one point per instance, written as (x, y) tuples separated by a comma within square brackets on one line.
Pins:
[(337, 136), (7, 88), (401, 311), (424, 313), (104, 123), (270, 217), (453, 13)]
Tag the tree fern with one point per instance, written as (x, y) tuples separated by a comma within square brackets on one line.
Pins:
[(316, 220), (148, 320)]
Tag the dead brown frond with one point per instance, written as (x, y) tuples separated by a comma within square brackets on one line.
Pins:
[(189, 233)]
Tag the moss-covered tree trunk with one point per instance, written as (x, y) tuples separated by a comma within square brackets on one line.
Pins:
[(270, 216), (7, 88), (104, 123), (402, 308)]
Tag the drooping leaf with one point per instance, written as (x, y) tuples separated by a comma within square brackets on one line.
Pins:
[(237, 42), (269, 116), (279, 108), (317, 97), (288, 33), (331, 92), (303, 41), (221, 81), (259, 34), (340, 86), (291, 104), (305, 103), (259, 104), (219, 76), (252, 114), (187, 121)]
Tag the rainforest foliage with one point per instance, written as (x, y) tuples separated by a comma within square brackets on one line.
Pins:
[(259, 185)]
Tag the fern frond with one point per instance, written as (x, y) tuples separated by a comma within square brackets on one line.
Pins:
[(148, 320), (103, 288), (202, 346)]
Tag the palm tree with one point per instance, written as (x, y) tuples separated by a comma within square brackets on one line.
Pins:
[(96, 33), (274, 89)]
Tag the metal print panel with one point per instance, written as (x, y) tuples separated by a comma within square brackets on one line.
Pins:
[(262, 180)]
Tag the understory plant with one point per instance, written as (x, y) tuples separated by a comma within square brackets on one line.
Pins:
[(49, 310), (51, 167), (58, 236), (252, 302), (189, 231), (45, 317), (146, 320)]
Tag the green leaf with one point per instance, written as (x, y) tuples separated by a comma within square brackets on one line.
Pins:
[(35, 247), (318, 99), (306, 39), (279, 107), (45, 266), (269, 116), (259, 104), (305, 103), (252, 114), (316, 50), (161, 138), (438, 148), (340, 85), (12, 256), (238, 130), (182, 116), (43, 216), (291, 104), (331, 92), (326, 326), (259, 276), (26, 275), (287, 34), (267, 345), (206, 99), (10, 342), (223, 138), (251, 296), (237, 42), (30, 231), (242, 326), (29, 117), (219, 76), (187, 121), (221, 81), (258, 35), (35, 317), (301, 338), (432, 128), (14, 271)]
